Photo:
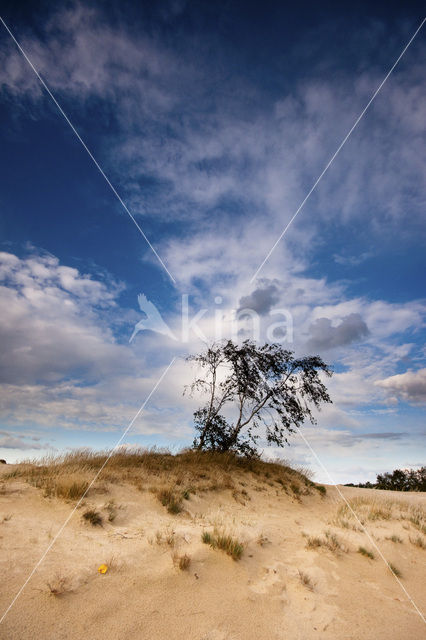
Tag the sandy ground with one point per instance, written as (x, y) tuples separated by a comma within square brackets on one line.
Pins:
[(145, 595)]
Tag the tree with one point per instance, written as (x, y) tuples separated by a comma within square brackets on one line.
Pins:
[(403, 480), (266, 386)]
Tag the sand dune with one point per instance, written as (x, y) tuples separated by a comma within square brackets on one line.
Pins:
[(300, 576)]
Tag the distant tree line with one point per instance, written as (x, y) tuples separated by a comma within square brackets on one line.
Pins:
[(398, 480)]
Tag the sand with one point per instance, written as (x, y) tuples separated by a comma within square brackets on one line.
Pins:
[(145, 595)]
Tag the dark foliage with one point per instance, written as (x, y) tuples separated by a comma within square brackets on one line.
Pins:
[(268, 388), (398, 480)]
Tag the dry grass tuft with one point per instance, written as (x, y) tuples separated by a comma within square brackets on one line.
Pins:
[(182, 562), (395, 538), (306, 580), (330, 542), (364, 552), (225, 542), (94, 517), (169, 499), (59, 585), (418, 542), (396, 572), (67, 476)]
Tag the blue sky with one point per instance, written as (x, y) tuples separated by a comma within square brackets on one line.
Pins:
[(212, 121)]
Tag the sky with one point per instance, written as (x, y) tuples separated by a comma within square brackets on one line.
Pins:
[(209, 124)]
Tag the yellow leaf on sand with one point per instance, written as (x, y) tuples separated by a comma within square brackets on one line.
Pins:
[(103, 568)]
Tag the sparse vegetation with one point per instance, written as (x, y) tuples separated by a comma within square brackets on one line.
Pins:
[(59, 585), (365, 552), (313, 542), (330, 542), (227, 543), (418, 542), (94, 517), (169, 499), (321, 489), (396, 572), (295, 488), (111, 509), (306, 580), (262, 540), (67, 476), (395, 538), (375, 509), (183, 561)]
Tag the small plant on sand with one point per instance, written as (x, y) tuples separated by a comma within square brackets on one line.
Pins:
[(206, 537), (111, 508), (295, 488), (168, 499), (395, 538), (305, 580), (330, 542), (59, 585), (313, 542), (419, 542), (396, 572), (227, 543), (94, 517), (364, 552), (263, 540), (321, 489), (183, 562)]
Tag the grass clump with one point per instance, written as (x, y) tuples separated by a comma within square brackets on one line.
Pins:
[(365, 552), (182, 562), (231, 546), (111, 509), (306, 580), (313, 542), (396, 572), (330, 542), (59, 585), (321, 489), (418, 542), (94, 517), (169, 499), (395, 538)]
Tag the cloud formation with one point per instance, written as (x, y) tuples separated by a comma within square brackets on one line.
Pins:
[(324, 335), (261, 300), (409, 386)]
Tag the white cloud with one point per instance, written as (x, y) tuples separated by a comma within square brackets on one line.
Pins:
[(410, 386)]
